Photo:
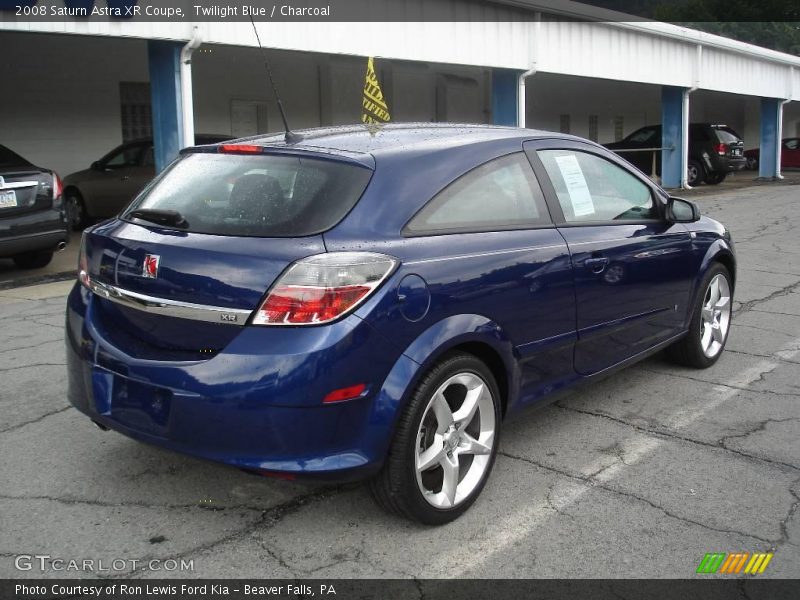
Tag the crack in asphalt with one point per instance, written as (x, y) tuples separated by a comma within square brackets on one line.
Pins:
[(663, 432), (18, 367), (36, 420), (592, 482), (132, 504), (784, 291), (724, 385), (268, 519)]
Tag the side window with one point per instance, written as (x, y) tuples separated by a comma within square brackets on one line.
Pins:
[(127, 156), (500, 194), (591, 188), (149, 159), (645, 135)]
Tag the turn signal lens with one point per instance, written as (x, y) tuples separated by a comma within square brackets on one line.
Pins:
[(322, 288)]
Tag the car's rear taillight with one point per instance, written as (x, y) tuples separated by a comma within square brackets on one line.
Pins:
[(721, 149), (50, 186), (83, 264), (321, 288)]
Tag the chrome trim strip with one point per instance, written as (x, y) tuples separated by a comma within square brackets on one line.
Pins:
[(479, 254), (12, 185), (171, 308)]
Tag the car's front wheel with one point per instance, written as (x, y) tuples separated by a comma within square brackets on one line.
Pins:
[(711, 320), (33, 260), (444, 445)]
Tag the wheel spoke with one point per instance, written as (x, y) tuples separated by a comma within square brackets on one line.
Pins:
[(469, 445), (705, 340), (432, 456), (722, 302), (714, 291), (707, 314), (450, 479), (466, 412), (444, 416), (716, 333)]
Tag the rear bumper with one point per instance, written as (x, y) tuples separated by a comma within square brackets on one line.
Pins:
[(728, 165), (40, 230), (246, 407)]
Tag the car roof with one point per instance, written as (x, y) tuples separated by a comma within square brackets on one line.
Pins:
[(398, 137)]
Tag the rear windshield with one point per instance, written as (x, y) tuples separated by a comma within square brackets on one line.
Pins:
[(10, 159), (727, 135), (256, 195)]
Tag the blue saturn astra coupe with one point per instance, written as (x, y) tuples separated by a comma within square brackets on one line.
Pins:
[(374, 303)]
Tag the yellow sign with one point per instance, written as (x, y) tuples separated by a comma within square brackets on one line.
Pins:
[(374, 108)]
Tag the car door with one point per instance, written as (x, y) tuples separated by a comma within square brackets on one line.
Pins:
[(632, 268), (501, 257), (115, 180)]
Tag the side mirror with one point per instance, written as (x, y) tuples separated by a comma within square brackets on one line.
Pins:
[(682, 211)]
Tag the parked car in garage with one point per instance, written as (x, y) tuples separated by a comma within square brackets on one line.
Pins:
[(790, 154), (368, 303), (110, 183), (33, 220), (714, 151)]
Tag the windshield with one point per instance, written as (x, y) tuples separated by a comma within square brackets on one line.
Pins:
[(11, 159), (256, 195)]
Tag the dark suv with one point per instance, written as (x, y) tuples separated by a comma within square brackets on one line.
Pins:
[(714, 151), (33, 221)]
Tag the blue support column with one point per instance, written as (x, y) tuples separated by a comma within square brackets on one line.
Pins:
[(768, 165), (165, 97), (504, 97), (673, 117)]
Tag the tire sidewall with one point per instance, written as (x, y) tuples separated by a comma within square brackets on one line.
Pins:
[(420, 507)]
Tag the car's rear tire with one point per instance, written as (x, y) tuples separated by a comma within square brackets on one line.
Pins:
[(33, 260), (716, 178), (695, 175), (711, 317), (444, 445), (76, 207)]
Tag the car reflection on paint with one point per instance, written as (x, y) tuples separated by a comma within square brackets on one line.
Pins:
[(375, 303)]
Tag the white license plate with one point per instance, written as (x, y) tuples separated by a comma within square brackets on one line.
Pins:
[(737, 151), (8, 199)]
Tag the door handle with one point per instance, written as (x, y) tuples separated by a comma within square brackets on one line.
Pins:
[(125, 178), (596, 265)]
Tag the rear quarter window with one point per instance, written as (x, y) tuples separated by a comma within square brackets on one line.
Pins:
[(256, 195), (500, 194)]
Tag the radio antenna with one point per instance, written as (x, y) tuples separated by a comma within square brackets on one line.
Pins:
[(290, 137)]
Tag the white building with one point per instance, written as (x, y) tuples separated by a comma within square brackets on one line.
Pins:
[(80, 87)]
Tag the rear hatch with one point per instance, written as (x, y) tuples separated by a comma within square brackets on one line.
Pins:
[(729, 144), (242, 219)]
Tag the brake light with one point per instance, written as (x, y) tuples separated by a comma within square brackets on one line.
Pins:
[(721, 149), (240, 149), (83, 265), (321, 288), (58, 186)]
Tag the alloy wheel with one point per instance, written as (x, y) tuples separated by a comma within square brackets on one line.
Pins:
[(715, 316), (455, 440)]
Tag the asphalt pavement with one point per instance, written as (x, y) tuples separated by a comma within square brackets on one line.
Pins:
[(637, 476)]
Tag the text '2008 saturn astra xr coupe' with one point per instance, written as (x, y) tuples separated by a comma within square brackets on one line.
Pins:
[(374, 303)]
